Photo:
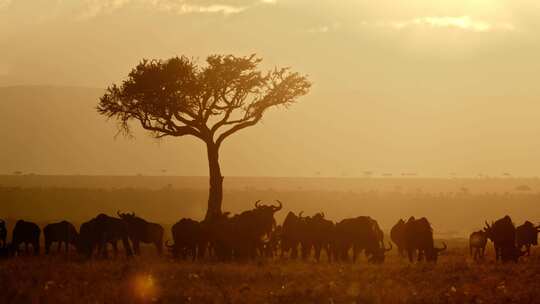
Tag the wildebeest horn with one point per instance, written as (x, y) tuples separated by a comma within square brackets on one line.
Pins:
[(441, 249), (322, 213), (389, 243), (167, 244), (278, 207), (257, 203), (300, 214), (132, 214), (487, 225), (119, 213)]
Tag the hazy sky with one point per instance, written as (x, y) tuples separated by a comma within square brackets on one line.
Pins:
[(417, 85)]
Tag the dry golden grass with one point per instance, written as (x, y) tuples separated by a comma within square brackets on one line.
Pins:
[(151, 279)]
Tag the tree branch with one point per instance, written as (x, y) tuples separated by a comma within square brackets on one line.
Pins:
[(238, 127), (163, 132), (177, 97)]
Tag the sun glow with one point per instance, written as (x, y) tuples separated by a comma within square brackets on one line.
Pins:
[(144, 287)]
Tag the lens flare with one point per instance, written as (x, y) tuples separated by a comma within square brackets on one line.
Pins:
[(144, 287)]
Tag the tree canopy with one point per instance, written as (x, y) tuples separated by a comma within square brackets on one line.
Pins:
[(178, 96)]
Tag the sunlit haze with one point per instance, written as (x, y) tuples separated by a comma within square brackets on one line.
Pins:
[(427, 87), (269, 151)]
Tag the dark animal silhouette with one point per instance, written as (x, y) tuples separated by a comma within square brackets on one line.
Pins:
[(273, 242), (419, 240), (101, 230), (189, 239), (6, 251), (222, 238), (526, 236), (397, 235), (141, 231), (361, 234), (242, 235), (62, 232), (318, 234), (503, 235), (3, 233), (26, 233), (511, 254), (477, 244), (292, 233)]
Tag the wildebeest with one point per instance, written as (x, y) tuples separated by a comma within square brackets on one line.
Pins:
[(318, 234), (6, 251), (503, 235), (292, 232), (418, 239), (189, 239), (142, 231), (3, 233), (361, 234), (62, 232), (271, 243), (526, 235), (27, 233), (397, 236), (222, 238), (101, 230), (242, 235), (477, 244)]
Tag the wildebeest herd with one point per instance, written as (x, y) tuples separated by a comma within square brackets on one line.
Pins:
[(255, 234)]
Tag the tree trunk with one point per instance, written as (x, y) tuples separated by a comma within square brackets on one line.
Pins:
[(215, 195)]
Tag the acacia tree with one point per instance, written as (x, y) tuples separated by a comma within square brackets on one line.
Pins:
[(179, 97)]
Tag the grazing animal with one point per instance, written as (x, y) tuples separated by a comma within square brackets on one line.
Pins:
[(26, 233), (62, 232), (222, 238), (6, 251), (273, 242), (477, 244), (503, 235), (292, 232), (397, 235), (141, 231), (189, 239), (3, 233), (318, 235), (419, 240), (242, 235), (526, 236), (101, 230), (361, 234)]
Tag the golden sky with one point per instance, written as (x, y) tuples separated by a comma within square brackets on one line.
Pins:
[(419, 85)]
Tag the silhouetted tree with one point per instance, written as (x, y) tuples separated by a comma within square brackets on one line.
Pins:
[(178, 97)]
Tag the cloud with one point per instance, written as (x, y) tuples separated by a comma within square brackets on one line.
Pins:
[(185, 7), (465, 23), (93, 8)]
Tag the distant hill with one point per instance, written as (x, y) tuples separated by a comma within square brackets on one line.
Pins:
[(56, 130)]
